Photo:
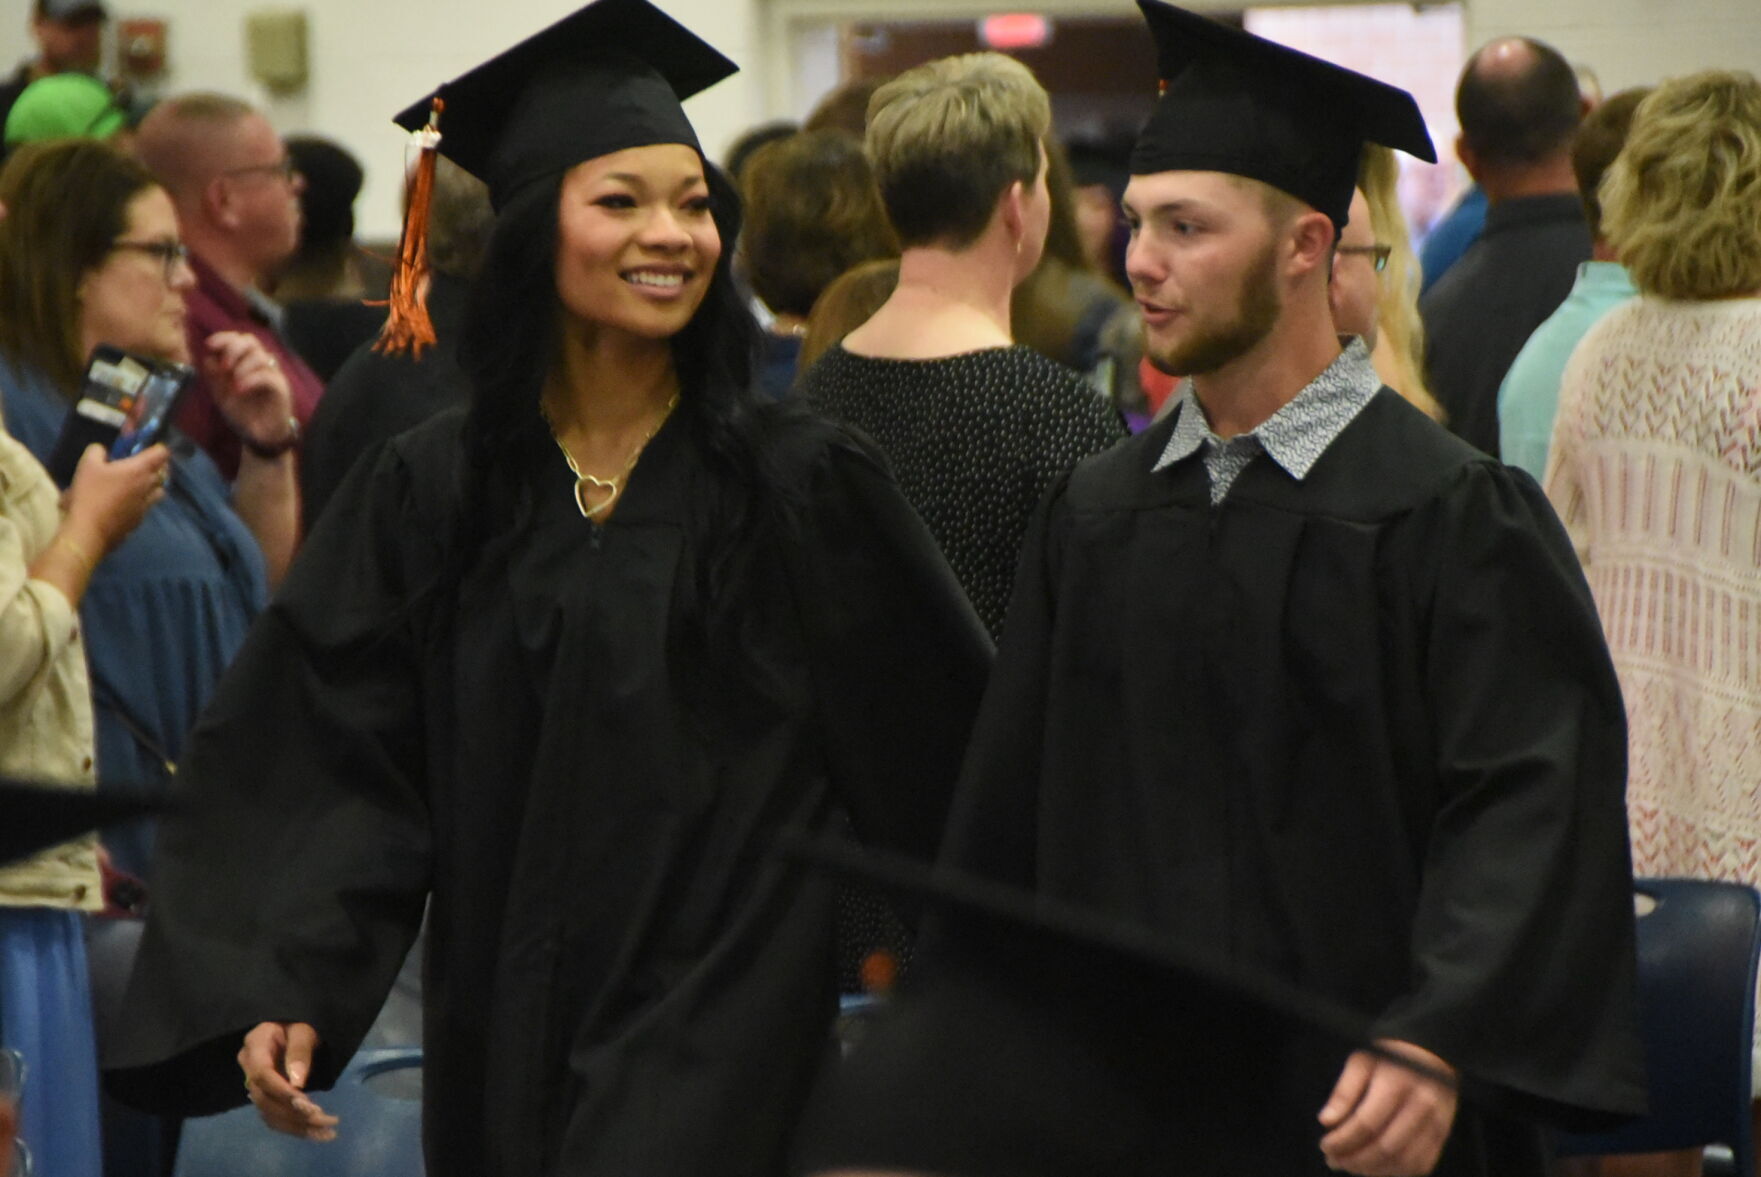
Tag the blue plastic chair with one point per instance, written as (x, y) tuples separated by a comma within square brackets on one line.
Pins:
[(379, 1102), (1698, 944)]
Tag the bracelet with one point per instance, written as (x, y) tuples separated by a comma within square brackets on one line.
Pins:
[(276, 449), (77, 551)]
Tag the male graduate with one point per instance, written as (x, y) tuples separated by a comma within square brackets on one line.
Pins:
[(1295, 678)]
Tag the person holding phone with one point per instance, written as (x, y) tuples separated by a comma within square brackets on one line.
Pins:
[(47, 558), (89, 255), (50, 545)]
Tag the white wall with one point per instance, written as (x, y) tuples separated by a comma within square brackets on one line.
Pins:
[(372, 57), (1631, 42)]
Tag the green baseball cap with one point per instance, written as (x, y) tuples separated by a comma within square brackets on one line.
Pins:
[(64, 106)]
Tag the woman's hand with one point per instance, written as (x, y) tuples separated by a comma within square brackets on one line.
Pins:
[(107, 500), (277, 1060), (249, 387)]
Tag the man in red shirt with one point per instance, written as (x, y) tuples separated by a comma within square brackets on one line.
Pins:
[(236, 194)]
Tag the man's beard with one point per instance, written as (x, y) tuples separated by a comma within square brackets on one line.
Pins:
[(1256, 313)]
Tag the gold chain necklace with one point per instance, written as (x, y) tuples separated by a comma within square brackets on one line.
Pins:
[(589, 485)]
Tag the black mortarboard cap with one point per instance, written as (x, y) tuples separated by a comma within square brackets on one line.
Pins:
[(1058, 934), (34, 817), (1236, 103), (607, 77)]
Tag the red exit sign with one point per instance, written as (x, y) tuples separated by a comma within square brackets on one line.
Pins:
[(1015, 30)]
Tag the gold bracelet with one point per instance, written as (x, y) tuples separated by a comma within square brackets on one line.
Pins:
[(78, 551)]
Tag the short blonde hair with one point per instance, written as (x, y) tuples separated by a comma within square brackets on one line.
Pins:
[(948, 138), (1682, 203)]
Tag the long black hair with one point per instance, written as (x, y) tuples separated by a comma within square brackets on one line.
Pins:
[(508, 344)]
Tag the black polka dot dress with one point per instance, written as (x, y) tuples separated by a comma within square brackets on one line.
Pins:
[(974, 440)]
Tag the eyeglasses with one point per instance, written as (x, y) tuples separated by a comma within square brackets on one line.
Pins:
[(1378, 252), (171, 254), (282, 169)]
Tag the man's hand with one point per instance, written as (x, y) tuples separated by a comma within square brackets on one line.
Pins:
[(248, 386), (1385, 1120), (277, 1059)]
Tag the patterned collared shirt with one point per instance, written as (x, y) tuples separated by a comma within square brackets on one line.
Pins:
[(1295, 436)]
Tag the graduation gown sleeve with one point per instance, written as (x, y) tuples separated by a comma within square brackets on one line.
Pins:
[(1526, 872), (291, 882), (994, 826), (897, 654)]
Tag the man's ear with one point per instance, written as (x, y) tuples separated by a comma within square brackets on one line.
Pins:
[(218, 205), (1009, 207), (1311, 237), (1468, 157)]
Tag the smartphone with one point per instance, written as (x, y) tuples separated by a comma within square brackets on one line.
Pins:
[(125, 404)]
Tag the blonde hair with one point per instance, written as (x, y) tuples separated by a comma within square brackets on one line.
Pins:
[(948, 138), (1281, 208), (1682, 203), (1401, 349)]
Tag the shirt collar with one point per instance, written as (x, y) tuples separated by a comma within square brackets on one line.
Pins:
[(1298, 433), (1610, 277), (235, 303), (265, 308)]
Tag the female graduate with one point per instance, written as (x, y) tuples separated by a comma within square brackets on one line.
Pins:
[(564, 661)]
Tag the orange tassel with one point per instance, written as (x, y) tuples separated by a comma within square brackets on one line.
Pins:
[(408, 327)]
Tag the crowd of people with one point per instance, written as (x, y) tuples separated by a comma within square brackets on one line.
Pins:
[(1155, 536)]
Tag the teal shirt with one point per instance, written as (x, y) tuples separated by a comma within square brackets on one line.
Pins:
[(1529, 396)]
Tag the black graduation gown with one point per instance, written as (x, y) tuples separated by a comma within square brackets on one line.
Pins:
[(374, 396), (619, 980), (1361, 730)]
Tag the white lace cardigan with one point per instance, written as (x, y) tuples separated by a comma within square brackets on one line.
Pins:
[(1655, 468)]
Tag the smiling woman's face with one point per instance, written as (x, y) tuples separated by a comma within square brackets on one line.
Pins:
[(636, 245)]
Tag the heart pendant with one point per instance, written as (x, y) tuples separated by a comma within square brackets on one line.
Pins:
[(587, 487)]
